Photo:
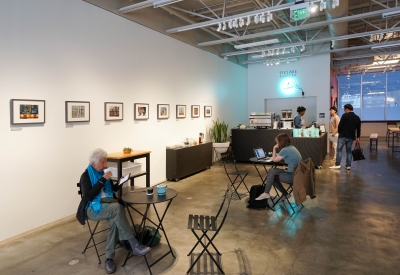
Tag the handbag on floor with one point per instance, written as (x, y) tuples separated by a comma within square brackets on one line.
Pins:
[(357, 152)]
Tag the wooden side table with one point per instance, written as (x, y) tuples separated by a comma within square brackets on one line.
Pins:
[(120, 157)]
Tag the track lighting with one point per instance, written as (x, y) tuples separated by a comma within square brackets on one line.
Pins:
[(269, 17), (262, 18), (219, 26), (235, 23), (371, 38), (248, 21), (303, 48), (292, 50), (223, 26), (241, 22), (322, 6), (256, 19), (230, 24), (335, 3)]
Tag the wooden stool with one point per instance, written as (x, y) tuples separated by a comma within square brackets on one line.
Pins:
[(373, 137)]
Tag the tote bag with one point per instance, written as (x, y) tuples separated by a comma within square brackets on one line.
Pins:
[(357, 152)]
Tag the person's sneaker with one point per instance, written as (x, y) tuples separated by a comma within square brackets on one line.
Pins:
[(263, 196), (140, 250), (110, 266), (335, 167), (282, 198), (348, 168)]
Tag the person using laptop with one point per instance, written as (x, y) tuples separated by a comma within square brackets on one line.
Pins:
[(99, 203), (291, 156)]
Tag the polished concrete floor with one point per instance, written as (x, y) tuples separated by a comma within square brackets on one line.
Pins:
[(351, 227)]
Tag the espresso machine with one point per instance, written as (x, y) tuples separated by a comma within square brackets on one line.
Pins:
[(262, 120), (287, 119)]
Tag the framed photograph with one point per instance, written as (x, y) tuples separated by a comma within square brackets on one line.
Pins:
[(141, 111), (322, 128), (27, 111), (113, 111), (195, 110), (180, 111), (162, 111), (77, 111), (207, 111)]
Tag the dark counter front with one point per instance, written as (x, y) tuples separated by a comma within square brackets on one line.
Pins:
[(244, 140)]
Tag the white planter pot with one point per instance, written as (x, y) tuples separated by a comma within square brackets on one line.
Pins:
[(221, 147)]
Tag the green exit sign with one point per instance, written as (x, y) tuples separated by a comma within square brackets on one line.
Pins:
[(299, 12)]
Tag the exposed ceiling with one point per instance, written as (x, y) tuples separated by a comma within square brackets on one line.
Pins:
[(348, 29)]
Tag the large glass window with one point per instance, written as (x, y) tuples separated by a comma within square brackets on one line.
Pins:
[(373, 96), (349, 93), (393, 96)]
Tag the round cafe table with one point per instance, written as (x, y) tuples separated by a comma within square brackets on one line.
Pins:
[(140, 197)]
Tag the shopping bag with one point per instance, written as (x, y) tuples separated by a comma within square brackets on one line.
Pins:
[(357, 152)]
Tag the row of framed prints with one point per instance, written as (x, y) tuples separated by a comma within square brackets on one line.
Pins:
[(27, 111)]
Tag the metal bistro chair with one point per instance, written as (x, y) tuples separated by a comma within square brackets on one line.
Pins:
[(93, 231), (208, 224), (235, 175), (289, 190)]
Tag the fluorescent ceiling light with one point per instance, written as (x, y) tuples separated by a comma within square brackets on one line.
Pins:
[(161, 3), (390, 14), (137, 6), (254, 44), (385, 45)]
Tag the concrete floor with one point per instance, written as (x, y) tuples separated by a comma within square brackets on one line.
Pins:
[(351, 227)]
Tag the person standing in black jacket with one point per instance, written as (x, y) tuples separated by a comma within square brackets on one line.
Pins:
[(349, 130)]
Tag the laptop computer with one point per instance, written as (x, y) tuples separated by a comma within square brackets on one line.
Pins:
[(260, 154)]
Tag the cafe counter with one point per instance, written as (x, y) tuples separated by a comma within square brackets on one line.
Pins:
[(245, 140)]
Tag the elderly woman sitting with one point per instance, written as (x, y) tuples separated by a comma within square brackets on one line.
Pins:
[(99, 203)]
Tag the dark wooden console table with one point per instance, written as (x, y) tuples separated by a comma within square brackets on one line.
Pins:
[(185, 161)]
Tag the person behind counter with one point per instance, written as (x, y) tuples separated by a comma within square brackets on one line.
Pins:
[(298, 120), (333, 129), (291, 156), (99, 203)]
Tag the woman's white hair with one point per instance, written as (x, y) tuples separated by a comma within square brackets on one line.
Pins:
[(96, 155)]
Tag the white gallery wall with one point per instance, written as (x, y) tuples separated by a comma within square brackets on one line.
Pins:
[(312, 75), (57, 50)]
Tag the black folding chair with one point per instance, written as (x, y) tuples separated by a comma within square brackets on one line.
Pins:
[(207, 224), (235, 175), (93, 231), (289, 190)]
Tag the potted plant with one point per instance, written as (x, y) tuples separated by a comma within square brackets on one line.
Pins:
[(127, 150), (219, 135)]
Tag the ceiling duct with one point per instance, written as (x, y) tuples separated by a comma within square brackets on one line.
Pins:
[(338, 29)]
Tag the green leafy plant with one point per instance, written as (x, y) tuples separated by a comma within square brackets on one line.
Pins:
[(127, 149), (219, 131)]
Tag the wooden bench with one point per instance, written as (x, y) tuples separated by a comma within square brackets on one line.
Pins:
[(373, 137)]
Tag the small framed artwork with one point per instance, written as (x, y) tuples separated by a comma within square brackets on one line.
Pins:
[(322, 128), (77, 111), (113, 111), (27, 111), (141, 111), (195, 110), (207, 111), (180, 111), (162, 111)]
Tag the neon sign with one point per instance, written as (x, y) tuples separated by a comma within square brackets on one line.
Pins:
[(288, 86)]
